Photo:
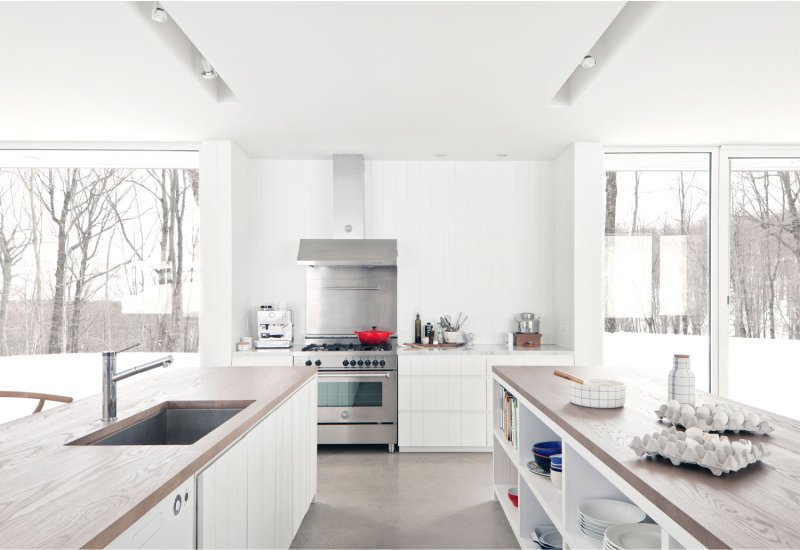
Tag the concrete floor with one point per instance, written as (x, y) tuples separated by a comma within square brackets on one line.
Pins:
[(368, 498)]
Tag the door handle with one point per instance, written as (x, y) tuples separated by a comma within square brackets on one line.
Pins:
[(355, 375), (352, 288)]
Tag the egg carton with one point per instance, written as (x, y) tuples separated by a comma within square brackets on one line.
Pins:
[(715, 452), (714, 418)]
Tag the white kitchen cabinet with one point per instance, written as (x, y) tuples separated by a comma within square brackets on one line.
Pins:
[(263, 359), (169, 524), (256, 493), (533, 360), (443, 403)]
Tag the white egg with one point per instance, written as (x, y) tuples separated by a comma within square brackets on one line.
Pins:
[(753, 418), (737, 418), (702, 412), (720, 418)]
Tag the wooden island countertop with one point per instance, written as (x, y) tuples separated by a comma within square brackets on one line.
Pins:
[(757, 507), (55, 495)]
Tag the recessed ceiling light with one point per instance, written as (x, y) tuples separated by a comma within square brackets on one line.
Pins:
[(158, 14), (588, 62), (207, 71), (439, 155)]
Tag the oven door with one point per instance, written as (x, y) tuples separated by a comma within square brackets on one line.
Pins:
[(357, 397)]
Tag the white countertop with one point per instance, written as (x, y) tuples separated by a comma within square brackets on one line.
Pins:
[(477, 349), (488, 349)]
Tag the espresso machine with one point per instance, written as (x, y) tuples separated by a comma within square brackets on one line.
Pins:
[(274, 327)]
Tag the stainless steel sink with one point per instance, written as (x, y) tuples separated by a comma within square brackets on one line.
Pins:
[(171, 423)]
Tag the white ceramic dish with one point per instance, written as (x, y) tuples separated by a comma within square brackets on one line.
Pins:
[(634, 536), (556, 478), (606, 512), (547, 537), (598, 394)]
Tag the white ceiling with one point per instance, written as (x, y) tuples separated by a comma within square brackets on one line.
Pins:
[(400, 79)]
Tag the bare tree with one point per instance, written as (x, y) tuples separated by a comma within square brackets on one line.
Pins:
[(14, 239)]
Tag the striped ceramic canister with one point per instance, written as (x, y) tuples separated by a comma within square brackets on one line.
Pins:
[(681, 381)]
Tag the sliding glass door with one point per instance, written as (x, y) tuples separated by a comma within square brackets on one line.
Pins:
[(657, 261), (761, 343)]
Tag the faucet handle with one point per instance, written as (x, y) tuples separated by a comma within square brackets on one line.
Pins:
[(129, 347)]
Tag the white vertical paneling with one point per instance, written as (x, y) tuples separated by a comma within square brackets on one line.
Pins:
[(404, 429), (472, 236)]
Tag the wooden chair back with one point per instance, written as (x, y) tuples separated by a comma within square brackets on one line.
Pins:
[(42, 397)]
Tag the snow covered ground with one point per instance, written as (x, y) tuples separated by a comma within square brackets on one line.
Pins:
[(77, 375), (762, 373)]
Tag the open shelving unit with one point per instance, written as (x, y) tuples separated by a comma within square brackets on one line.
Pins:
[(541, 502)]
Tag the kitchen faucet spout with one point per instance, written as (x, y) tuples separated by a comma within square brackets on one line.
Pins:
[(111, 377)]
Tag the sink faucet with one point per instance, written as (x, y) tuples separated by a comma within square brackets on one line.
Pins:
[(111, 377)]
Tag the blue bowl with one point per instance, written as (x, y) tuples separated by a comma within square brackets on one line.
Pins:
[(547, 448), (556, 461)]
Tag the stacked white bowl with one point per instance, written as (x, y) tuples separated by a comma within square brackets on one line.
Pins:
[(632, 536), (598, 514)]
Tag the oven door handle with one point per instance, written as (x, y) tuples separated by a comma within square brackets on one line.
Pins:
[(355, 375), (352, 288)]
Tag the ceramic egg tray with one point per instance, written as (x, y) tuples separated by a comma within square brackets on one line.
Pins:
[(714, 418), (717, 453)]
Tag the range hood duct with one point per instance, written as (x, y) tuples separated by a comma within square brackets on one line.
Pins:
[(348, 247)]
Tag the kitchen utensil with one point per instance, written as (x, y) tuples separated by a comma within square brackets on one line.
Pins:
[(434, 346), (633, 536), (513, 496), (547, 536), (597, 394), (556, 476), (373, 337), (565, 376), (547, 448), (604, 512), (458, 320), (536, 469), (527, 323), (680, 386), (463, 322)]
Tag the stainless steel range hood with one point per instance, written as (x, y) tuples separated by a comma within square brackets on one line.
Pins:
[(347, 252), (349, 247)]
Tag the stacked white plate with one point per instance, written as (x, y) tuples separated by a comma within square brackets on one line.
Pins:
[(597, 515), (632, 536)]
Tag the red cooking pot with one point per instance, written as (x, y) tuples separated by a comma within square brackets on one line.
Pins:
[(373, 337)]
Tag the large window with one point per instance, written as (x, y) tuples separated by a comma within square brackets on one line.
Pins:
[(763, 329), (656, 265), (99, 250)]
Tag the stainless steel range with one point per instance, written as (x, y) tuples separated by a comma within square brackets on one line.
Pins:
[(351, 285), (357, 393)]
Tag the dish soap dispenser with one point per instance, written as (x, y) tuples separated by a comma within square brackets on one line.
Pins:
[(418, 330), (681, 381)]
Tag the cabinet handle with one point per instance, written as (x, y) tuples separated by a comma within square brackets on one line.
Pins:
[(352, 288), (348, 375), (176, 506)]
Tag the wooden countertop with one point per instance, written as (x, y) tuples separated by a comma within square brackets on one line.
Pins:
[(758, 507), (53, 495)]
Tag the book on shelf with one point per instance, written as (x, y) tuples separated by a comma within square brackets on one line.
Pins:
[(510, 418)]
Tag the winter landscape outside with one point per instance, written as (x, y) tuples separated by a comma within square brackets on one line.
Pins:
[(98, 259), (656, 272), (94, 259)]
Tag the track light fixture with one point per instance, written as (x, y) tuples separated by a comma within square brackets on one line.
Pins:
[(207, 71), (159, 14)]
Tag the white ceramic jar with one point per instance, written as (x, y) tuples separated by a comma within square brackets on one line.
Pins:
[(681, 381)]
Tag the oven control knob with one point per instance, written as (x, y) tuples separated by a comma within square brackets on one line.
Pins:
[(383, 363), (352, 362), (360, 362), (308, 363), (317, 362), (374, 362), (345, 363)]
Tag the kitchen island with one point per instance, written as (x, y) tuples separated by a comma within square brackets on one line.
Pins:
[(756, 507), (60, 495)]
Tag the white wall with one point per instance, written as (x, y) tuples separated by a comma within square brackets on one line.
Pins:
[(578, 257), (223, 188), (475, 237)]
